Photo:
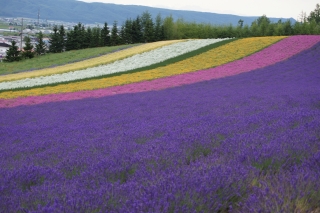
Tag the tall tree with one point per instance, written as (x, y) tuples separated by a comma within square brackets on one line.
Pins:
[(54, 40), (28, 49), (89, 38), (240, 23), (41, 46), (105, 35), (128, 31), (158, 29), (70, 43), (12, 54), (62, 42), (315, 15), (122, 35), (168, 25), (96, 37), (147, 27), (137, 36), (114, 40), (287, 28), (263, 23)]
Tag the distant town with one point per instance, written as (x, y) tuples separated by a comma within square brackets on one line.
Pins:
[(16, 29)]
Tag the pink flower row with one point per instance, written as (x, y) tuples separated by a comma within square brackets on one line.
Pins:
[(271, 55)]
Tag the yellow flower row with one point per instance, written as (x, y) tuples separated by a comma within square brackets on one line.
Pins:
[(105, 59), (215, 57)]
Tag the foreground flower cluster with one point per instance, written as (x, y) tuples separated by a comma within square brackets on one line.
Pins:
[(133, 62), (244, 143)]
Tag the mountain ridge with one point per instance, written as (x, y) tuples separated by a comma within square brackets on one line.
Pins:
[(78, 11)]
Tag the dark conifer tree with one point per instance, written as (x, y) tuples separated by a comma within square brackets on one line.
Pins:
[(96, 37), (137, 36), (128, 32), (41, 46), (89, 38), (122, 35), (62, 42), (13, 54), (105, 35), (158, 35), (114, 40), (147, 27), (28, 49), (54, 40), (70, 40)]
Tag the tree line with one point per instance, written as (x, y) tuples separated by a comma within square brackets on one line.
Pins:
[(144, 29)]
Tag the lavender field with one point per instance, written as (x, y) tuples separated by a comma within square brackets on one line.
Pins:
[(243, 143)]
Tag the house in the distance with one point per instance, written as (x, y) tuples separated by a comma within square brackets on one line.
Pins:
[(4, 46)]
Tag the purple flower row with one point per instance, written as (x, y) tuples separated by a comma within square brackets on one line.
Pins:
[(247, 143), (275, 53)]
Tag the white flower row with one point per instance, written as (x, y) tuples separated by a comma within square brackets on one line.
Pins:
[(130, 63)]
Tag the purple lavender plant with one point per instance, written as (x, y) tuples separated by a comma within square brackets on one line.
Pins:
[(245, 143)]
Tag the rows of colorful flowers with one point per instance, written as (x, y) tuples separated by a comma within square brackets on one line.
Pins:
[(240, 137), (215, 57), (104, 59), (133, 62)]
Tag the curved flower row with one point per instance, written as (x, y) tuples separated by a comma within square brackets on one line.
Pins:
[(133, 62), (247, 143), (215, 57), (105, 59)]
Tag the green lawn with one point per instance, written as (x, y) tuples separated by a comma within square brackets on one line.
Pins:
[(56, 59), (3, 26)]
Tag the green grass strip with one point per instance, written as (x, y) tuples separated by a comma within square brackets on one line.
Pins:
[(57, 59)]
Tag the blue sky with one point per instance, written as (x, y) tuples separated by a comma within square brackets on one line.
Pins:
[(271, 8)]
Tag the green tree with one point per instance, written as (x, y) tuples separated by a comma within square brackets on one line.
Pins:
[(263, 23), (89, 38), (128, 32), (76, 38), (158, 29), (122, 35), (62, 42), (254, 29), (297, 28), (278, 29), (105, 35), (114, 40), (70, 43), (147, 27), (54, 40), (41, 46), (168, 25), (287, 28), (315, 15), (240, 23), (13, 54), (96, 37), (137, 36), (28, 49)]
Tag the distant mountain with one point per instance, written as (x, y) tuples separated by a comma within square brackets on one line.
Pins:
[(89, 13)]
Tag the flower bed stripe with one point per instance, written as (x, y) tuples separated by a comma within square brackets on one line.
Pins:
[(215, 57), (105, 59), (134, 62)]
